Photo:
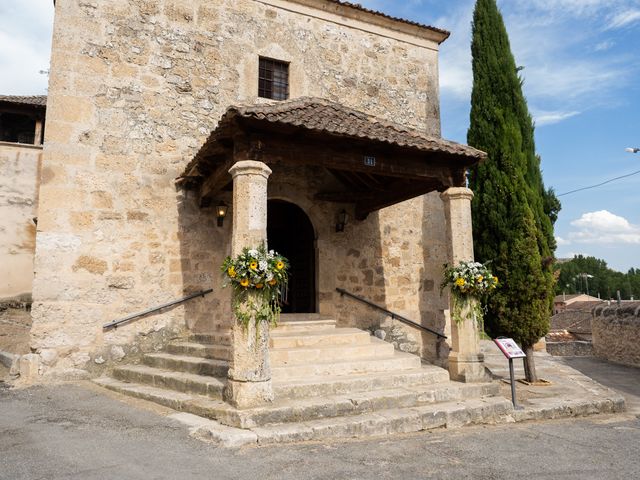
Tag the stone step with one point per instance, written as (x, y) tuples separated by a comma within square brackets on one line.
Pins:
[(306, 355), (304, 322), (219, 352), (178, 381), (183, 363), (313, 338), (169, 398), (342, 385), (300, 410), (397, 362), (391, 421), (222, 338), (303, 410)]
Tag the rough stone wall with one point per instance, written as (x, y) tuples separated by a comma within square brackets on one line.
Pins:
[(616, 333), (394, 258), (18, 207), (15, 323), (135, 88), (575, 348)]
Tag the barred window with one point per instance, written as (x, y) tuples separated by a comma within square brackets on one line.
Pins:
[(273, 79)]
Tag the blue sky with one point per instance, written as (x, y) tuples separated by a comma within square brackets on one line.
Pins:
[(581, 62)]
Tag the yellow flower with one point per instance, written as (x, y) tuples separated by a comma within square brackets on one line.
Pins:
[(232, 272), (244, 282), (460, 282), (273, 282), (259, 285), (479, 278), (280, 265), (253, 265), (495, 279)]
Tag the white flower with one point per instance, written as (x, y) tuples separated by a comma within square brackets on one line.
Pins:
[(269, 276), (271, 254), (253, 253), (262, 265)]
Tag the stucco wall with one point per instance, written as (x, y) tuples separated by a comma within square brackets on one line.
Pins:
[(616, 333), (135, 88), (18, 208)]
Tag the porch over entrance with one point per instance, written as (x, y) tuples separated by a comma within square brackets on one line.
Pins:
[(376, 163), (323, 156)]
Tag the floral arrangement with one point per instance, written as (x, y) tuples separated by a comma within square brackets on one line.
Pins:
[(468, 281), (258, 278)]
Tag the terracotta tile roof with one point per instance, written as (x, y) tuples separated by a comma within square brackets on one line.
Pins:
[(357, 6), (584, 306), (34, 100), (333, 118), (561, 336)]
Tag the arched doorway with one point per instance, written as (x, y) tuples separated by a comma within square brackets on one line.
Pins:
[(290, 233)]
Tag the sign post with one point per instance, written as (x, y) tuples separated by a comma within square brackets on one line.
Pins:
[(511, 350)]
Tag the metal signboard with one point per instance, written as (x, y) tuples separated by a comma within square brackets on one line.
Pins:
[(510, 348)]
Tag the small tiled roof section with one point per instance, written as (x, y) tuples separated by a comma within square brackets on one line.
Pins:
[(357, 6), (333, 118), (33, 100), (563, 298)]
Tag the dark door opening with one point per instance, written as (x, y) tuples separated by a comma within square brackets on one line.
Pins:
[(290, 233)]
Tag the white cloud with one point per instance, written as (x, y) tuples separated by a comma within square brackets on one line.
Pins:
[(624, 18), (549, 118), (604, 46), (562, 242), (604, 227)]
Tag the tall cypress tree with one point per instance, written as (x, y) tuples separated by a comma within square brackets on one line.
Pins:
[(513, 214)]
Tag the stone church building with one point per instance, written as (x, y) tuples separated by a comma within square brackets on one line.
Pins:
[(178, 131)]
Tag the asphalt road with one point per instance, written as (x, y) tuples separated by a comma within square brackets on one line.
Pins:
[(72, 432)]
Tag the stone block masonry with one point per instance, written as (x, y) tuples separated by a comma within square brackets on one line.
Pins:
[(616, 333), (136, 86)]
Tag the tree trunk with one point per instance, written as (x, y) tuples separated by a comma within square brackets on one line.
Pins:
[(530, 366)]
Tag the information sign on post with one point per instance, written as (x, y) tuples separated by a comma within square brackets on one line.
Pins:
[(511, 350)]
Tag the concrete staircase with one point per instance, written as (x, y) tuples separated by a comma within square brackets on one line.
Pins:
[(328, 383)]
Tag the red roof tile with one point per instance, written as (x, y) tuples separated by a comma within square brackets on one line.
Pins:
[(336, 119), (34, 100)]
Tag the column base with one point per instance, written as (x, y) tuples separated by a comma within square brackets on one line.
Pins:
[(248, 394), (467, 368)]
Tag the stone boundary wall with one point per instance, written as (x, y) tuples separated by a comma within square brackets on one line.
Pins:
[(576, 348), (616, 333)]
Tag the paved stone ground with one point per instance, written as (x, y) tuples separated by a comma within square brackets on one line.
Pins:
[(626, 380), (75, 432), (568, 388)]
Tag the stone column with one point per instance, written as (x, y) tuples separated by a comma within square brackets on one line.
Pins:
[(466, 363), (249, 382)]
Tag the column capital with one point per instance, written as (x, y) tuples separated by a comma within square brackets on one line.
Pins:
[(250, 167), (457, 193)]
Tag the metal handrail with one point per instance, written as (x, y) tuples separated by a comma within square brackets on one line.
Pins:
[(393, 315), (117, 323)]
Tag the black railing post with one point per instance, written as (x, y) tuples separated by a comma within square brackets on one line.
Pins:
[(117, 323), (393, 315)]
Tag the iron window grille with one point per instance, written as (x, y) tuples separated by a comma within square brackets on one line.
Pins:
[(273, 79)]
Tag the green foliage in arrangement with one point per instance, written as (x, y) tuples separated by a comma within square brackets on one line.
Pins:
[(258, 278), (470, 284)]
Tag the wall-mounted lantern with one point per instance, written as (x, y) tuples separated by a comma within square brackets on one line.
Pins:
[(221, 212), (343, 218)]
